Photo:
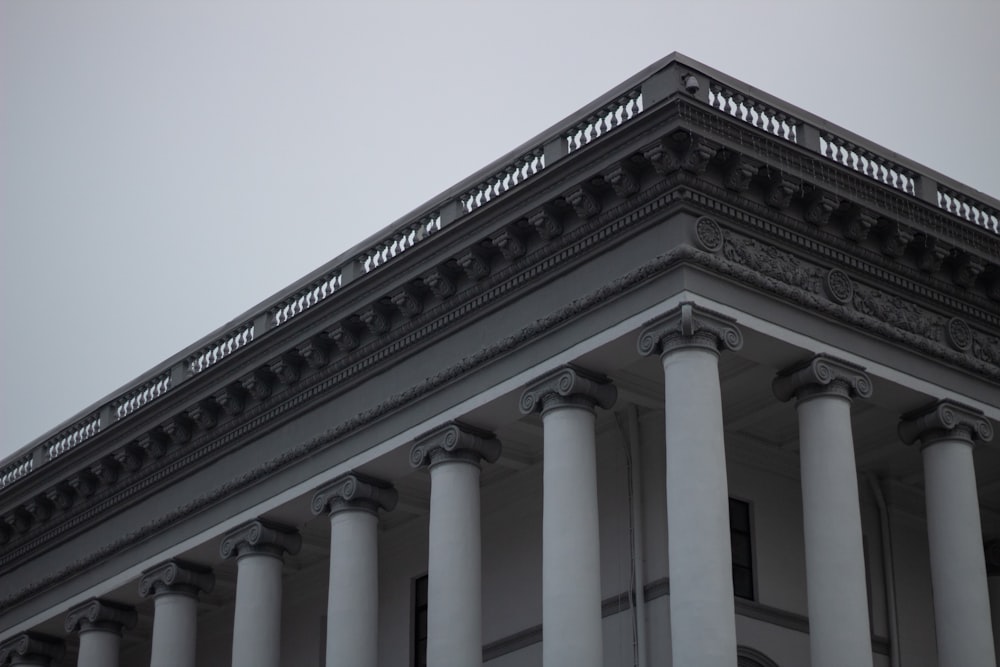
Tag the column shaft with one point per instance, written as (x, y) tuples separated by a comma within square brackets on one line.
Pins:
[(352, 607), (571, 568), (958, 566), (257, 625), (454, 588), (835, 568), (98, 648), (702, 609), (175, 628)]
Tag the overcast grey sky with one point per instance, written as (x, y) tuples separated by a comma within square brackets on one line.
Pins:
[(164, 166)]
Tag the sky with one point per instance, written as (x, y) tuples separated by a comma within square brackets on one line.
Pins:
[(165, 166)]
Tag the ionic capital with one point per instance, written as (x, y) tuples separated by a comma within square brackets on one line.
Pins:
[(260, 537), (689, 325), (31, 648), (822, 375), (97, 614), (944, 419), (568, 384), (455, 442), (354, 491), (176, 576)]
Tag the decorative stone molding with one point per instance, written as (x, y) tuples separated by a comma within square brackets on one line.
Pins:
[(546, 224), (205, 413), (377, 318), (260, 537), (689, 325), (176, 576), (623, 178), (944, 419), (822, 374), (154, 443), (355, 491), (858, 223), (316, 351), (344, 336), (738, 172), (97, 614), (510, 243), (818, 207), (455, 441), (31, 648), (232, 399), (441, 281), (408, 300), (258, 383), (662, 157), (708, 234), (568, 385), (584, 201), (476, 264), (287, 367)]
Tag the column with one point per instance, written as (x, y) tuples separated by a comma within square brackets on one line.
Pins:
[(689, 340), (993, 578), (571, 554), (836, 586), (100, 624), (947, 431), (174, 586), (258, 547), (353, 502), (31, 649), (454, 561)]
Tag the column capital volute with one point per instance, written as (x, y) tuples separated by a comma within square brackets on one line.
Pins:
[(97, 614), (944, 419), (690, 325), (456, 441), (176, 576), (260, 537), (822, 374), (568, 384), (31, 647), (354, 491)]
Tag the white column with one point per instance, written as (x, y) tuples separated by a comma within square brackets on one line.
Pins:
[(100, 624), (836, 585), (258, 547), (571, 554), (31, 649), (947, 431), (352, 502), (702, 607), (454, 562), (174, 586)]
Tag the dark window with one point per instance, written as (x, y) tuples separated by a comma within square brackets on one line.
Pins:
[(420, 622), (739, 535)]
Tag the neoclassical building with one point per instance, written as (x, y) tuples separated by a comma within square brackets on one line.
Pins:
[(693, 378)]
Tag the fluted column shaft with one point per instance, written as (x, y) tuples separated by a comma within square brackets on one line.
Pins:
[(947, 431), (100, 624), (702, 606), (353, 502), (174, 586), (571, 553), (836, 584), (258, 548), (454, 562)]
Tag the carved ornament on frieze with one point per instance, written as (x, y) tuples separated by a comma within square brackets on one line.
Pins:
[(771, 261)]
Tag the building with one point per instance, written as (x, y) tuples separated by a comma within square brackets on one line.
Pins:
[(692, 378)]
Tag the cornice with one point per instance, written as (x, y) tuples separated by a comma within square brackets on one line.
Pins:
[(760, 244)]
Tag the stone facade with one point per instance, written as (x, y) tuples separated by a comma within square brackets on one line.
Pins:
[(545, 393)]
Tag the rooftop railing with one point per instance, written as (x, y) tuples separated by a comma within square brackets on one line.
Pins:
[(673, 74)]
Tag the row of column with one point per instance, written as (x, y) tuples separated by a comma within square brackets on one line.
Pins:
[(688, 341)]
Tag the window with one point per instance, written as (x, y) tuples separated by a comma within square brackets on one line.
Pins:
[(420, 622), (742, 546)]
